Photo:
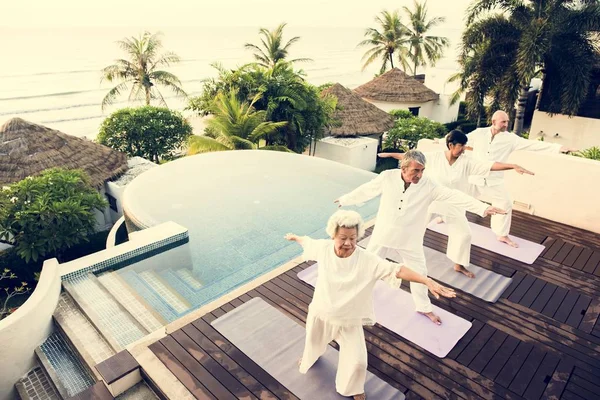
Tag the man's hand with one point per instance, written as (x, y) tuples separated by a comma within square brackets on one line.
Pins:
[(520, 170), (568, 150), (338, 203), (493, 211), (438, 290)]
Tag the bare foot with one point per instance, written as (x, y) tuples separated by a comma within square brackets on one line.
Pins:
[(361, 396), (508, 241), (434, 318), (463, 270), (438, 220)]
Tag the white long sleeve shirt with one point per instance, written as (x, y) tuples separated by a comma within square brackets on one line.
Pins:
[(344, 288), (499, 149), (455, 176), (401, 219)]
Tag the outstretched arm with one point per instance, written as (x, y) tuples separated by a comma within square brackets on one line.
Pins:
[(397, 156), (363, 193), (503, 167), (435, 288), (466, 202), (295, 238)]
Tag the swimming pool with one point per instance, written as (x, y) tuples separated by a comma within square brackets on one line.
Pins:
[(237, 206)]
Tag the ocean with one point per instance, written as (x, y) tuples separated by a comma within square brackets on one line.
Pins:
[(52, 76)]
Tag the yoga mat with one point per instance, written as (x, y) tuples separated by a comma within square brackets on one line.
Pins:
[(275, 342), (483, 237), (394, 309), (487, 285)]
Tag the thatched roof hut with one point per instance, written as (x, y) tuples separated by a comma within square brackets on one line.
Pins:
[(396, 87), (26, 149), (355, 116)]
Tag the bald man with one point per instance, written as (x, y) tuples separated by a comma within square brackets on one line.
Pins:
[(495, 144)]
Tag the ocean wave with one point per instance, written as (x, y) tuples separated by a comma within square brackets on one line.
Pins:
[(78, 71), (38, 96)]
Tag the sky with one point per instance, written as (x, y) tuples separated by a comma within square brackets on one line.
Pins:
[(122, 13)]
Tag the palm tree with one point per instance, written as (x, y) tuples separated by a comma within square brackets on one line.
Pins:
[(424, 49), (552, 39), (235, 125), (141, 71), (389, 39), (273, 49)]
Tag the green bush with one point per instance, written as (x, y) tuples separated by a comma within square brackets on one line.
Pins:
[(407, 132), (154, 133), (593, 153), (401, 114), (45, 215)]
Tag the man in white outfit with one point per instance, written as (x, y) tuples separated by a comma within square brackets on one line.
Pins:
[(451, 168), (401, 220), (494, 143), (343, 299)]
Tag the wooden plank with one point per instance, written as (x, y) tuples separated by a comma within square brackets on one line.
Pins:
[(572, 257), (578, 311), (554, 302), (488, 351), (514, 363), (215, 369), (542, 377), (523, 287), (548, 242), (530, 366), (228, 363), (543, 298), (592, 263), (466, 339), (582, 259), (554, 249), (563, 253), (517, 278), (559, 379), (568, 395), (469, 353), (493, 368), (181, 373), (574, 385), (563, 312), (243, 361), (196, 369), (591, 316), (531, 294), (590, 389)]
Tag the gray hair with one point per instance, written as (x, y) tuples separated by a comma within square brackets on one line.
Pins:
[(412, 155), (345, 219)]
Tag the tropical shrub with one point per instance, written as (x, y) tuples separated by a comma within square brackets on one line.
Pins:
[(154, 133)]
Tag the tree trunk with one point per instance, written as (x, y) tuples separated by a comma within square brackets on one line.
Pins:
[(415, 70), (391, 59), (147, 96), (539, 95), (521, 102)]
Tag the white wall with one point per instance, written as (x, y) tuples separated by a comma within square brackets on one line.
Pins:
[(356, 152), (115, 191), (27, 328), (564, 189), (426, 109), (578, 132), (444, 112)]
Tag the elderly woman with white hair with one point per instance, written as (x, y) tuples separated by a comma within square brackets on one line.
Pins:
[(343, 299)]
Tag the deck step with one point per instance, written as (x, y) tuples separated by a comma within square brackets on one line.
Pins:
[(112, 320), (37, 385), (131, 301), (66, 370), (81, 333), (165, 292)]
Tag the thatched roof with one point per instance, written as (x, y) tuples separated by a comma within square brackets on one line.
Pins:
[(26, 149), (356, 116), (396, 87)]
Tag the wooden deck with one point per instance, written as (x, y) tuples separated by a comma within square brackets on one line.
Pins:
[(541, 340)]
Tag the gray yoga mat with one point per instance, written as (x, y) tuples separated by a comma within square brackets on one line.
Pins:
[(395, 309), (487, 285), (275, 342)]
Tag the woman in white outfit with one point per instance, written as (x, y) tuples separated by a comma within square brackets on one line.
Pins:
[(451, 168), (343, 299)]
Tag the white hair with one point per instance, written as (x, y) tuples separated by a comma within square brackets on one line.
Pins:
[(412, 155), (345, 219)]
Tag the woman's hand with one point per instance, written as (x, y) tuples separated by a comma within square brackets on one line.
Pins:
[(292, 237), (438, 290)]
